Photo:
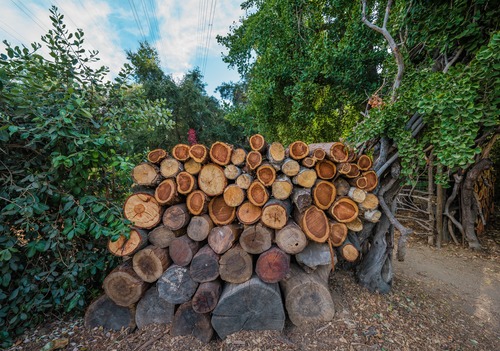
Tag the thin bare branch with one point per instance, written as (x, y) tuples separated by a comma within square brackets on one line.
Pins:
[(386, 16), (453, 60)]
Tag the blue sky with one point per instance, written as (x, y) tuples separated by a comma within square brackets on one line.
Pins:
[(185, 27)]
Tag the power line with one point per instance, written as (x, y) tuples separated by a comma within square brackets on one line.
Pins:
[(31, 15), (9, 33), (137, 19), (211, 25)]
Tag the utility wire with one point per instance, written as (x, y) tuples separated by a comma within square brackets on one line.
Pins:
[(211, 25), (137, 19), (30, 14)]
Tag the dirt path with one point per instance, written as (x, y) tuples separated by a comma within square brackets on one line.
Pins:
[(469, 281)]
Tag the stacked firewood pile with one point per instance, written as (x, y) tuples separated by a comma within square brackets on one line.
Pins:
[(221, 234)]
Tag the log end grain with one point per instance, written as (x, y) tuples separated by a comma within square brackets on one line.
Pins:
[(143, 210)]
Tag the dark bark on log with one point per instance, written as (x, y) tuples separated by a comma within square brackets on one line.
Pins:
[(314, 255), (222, 238), (151, 309), (187, 322), (301, 198), (205, 265), (123, 285), (162, 236), (235, 266), (103, 312), (182, 250), (176, 217), (150, 263), (199, 227), (176, 285), (207, 296)]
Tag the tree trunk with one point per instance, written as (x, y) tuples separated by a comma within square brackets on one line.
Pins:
[(199, 153), (181, 152), (235, 266), (207, 296), (326, 169), (157, 155), (238, 157), (273, 265), (314, 224), (256, 238), (220, 212), (282, 187), (291, 239), (222, 238), (205, 265), (257, 194), (170, 167), (220, 153), (257, 143), (199, 227), (276, 153), (232, 172), (123, 285), (339, 152), (182, 250), (187, 322), (186, 183), (166, 192), (248, 213), (290, 167), (244, 181), (344, 210), (275, 213), (254, 160), (138, 239), (103, 312), (146, 174), (324, 194), (211, 180), (143, 210), (234, 195), (298, 150), (150, 263), (176, 217), (305, 178), (338, 233), (262, 308), (266, 174), (314, 255), (151, 309), (301, 198), (162, 236), (176, 285), (197, 203)]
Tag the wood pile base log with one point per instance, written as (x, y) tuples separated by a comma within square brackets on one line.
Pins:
[(221, 234)]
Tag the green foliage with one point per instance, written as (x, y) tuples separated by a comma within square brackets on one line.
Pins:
[(63, 172), (306, 68)]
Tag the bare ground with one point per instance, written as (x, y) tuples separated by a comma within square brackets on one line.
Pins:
[(446, 299)]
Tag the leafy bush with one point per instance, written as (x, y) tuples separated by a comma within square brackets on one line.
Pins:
[(64, 170)]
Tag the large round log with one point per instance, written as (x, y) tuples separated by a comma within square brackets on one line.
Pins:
[(364, 162), (234, 195), (257, 194), (150, 263), (256, 238), (187, 322), (162, 236), (138, 239), (371, 180), (222, 238), (275, 213), (235, 265), (183, 249), (197, 202), (298, 150), (157, 155), (205, 265), (273, 265), (199, 227), (143, 210), (206, 297), (169, 167), (103, 312), (344, 210), (181, 152), (326, 169), (291, 239), (147, 174), (339, 152), (176, 285), (220, 212), (307, 298), (123, 285), (211, 180), (166, 192), (199, 153), (248, 213), (262, 308), (314, 224), (324, 194), (220, 153), (176, 217), (152, 309)]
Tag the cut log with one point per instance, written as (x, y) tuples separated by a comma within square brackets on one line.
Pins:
[(282, 187), (257, 193), (238, 157), (220, 153), (254, 160), (318, 154), (275, 213), (371, 202), (169, 167), (192, 167), (338, 233), (207, 296), (371, 180), (359, 182), (353, 171), (273, 265), (220, 212), (151, 309), (205, 265), (232, 172), (324, 194), (235, 265), (291, 239), (342, 186), (123, 285), (157, 155), (199, 227), (298, 150), (308, 162), (186, 183), (138, 239), (176, 217), (166, 192), (314, 224), (357, 195), (182, 250), (344, 168), (197, 202), (162, 236), (257, 143), (176, 285), (150, 263), (355, 225), (256, 238), (262, 308), (305, 178), (187, 322), (199, 153), (103, 312), (234, 195), (212, 180), (349, 251), (266, 174), (290, 167), (276, 153), (326, 169), (301, 198), (307, 297), (364, 163), (248, 213), (244, 181), (314, 255), (339, 152), (143, 210), (147, 174), (344, 210), (222, 238), (372, 216), (181, 152)]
